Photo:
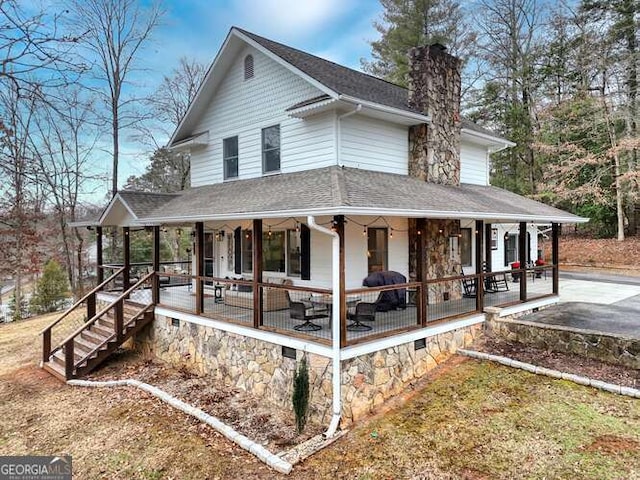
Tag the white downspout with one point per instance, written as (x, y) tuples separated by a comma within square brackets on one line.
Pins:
[(335, 324), (339, 132)]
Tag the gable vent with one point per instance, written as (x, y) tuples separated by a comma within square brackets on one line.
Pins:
[(248, 67)]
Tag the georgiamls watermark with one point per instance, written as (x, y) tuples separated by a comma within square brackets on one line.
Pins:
[(31, 467)]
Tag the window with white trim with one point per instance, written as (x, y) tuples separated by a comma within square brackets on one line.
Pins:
[(271, 149), (230, 157)]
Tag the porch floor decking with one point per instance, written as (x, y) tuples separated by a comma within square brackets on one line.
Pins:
[(182, 298)]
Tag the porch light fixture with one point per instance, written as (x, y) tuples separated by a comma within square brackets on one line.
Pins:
[(269, 232), (297, 227), (364, 231), (178, 231), (391, 233)]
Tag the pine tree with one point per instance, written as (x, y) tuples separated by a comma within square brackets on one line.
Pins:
[(19, 309), (413, 23), (51, 290)]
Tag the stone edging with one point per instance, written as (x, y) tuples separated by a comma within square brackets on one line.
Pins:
[(259, 451), (509, 362)]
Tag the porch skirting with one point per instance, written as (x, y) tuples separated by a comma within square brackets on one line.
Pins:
[(259, 366)]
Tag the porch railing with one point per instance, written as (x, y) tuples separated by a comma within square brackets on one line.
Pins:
[(418, 304)]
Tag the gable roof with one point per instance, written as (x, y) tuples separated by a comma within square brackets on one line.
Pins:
[(340, 79), (139, 205), (350, 191), (336, 81)]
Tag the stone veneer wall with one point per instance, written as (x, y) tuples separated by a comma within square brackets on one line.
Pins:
[(608, 348), (258, 366), (369, 380), (434, 89), (246, 363)]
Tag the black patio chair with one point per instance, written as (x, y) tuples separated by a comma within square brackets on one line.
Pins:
[(364, 312), (298, 311)]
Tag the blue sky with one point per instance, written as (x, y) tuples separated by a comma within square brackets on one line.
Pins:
[(338, 30)]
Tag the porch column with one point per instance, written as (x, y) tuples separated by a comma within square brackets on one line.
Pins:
[(126, 252), (99, 257), (257, 273), (338, 222), (522, 258), (488, 250), (555, 256), (155, 261), (421, 271), (480, 279), (199, 267)]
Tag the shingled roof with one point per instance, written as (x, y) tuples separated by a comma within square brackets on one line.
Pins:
[(346, 81), (337, 190)]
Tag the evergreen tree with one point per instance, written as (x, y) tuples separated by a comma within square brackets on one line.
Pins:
[(412, 23), (51, 290), (19, 308), (301, 394)]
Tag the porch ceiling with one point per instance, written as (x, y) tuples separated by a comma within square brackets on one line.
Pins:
[(339, 190)]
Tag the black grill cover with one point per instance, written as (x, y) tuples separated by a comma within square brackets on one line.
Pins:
[(391, 299)]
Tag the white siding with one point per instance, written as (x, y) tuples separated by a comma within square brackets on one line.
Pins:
[(374, 144), (473, 164), (497, 256), (243, 108), (355, 250)]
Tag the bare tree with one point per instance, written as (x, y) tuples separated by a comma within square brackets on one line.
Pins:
[(170, 171), (510, 45), (114, 33), (34, 53), (63, 140), (18, 211), (176, 92)]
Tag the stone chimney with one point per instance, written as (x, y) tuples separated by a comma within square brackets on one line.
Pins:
[(434, 89)]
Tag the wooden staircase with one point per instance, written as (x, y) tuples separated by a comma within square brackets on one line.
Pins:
[(97, 338)]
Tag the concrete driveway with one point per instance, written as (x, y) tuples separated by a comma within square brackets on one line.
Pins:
[(607, 304)]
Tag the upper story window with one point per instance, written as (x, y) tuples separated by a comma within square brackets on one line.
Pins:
[(271, 149), (248, 67), (230, 157)]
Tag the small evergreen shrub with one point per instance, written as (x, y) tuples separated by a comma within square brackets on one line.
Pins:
[(301, 394), (51, 290)]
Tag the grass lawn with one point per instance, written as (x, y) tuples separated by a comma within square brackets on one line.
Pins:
[(474, 420)]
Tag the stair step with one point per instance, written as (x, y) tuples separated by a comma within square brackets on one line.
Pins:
[(106, 321), (56, 370), (95, 339), (85, 345), (93, 336), (103, 330), (59, 357)]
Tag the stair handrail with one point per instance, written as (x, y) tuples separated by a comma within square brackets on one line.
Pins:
[(79, 302), (87, 355), (98, 315)]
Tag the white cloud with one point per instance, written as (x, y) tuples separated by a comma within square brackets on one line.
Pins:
[(290, 19)]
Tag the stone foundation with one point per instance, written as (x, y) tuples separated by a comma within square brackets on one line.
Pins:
[(245, 363), (608, 348), (259, 366), (369, 380)]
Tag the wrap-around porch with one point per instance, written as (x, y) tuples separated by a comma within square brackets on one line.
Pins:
[(303, 310)]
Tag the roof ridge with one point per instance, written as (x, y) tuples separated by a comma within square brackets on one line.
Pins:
[(148, 193)]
